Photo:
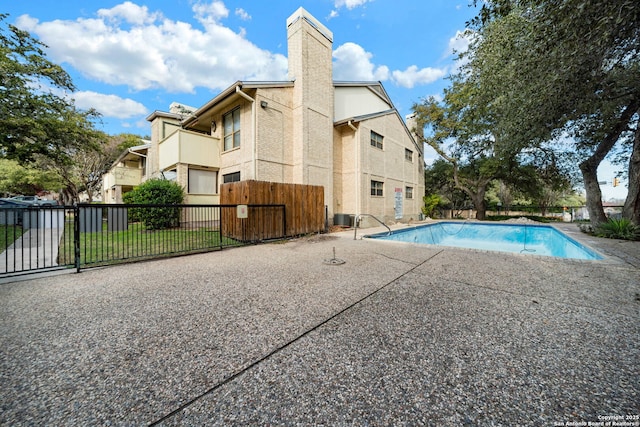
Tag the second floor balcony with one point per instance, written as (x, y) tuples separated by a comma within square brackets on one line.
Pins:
[(193, 148), (124, 176)]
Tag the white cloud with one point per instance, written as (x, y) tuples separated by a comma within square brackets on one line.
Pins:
[(130, 13), (109, 105), (156, 52), (210, 12), (352, 62), (242, 14), (350, 4), (333, 14), (413, 76), (460, 42)]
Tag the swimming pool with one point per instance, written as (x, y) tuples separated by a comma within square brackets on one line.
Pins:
[(520, 238)]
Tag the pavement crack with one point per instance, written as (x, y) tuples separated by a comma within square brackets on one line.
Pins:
[(277, 350), (395, 259)]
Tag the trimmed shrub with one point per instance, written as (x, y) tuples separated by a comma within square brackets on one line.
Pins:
[(156, 192)]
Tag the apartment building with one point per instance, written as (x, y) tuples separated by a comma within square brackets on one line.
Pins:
[(346, 136)]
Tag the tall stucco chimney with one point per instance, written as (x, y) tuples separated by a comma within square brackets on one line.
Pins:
[(310, 47)]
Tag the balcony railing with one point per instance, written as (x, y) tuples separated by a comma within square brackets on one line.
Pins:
[(123, 176)]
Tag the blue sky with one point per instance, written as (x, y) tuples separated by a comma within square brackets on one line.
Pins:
[(129, 58)]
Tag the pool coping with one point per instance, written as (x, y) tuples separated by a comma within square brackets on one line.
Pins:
[(607, 249)]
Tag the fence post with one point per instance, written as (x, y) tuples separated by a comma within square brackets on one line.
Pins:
[(284, 220), (220, 225), (76, 237), (326, 218)]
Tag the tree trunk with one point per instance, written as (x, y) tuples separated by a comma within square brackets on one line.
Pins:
[(589, 166), (543, 209), (631, 209), (479, 204), (589, 170)]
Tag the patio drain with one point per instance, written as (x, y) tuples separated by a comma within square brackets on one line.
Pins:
[(334, 260)]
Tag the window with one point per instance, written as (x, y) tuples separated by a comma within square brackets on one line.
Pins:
[(202, 182), (376, 140), (170, 175), (408, 192), (408, 155), (231, 124), (231, 177), (377, 188)]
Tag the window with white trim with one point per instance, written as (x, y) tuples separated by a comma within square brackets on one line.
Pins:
[(231, 125)]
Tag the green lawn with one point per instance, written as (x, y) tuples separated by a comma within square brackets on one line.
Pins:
[(8, 235), (107, 247)]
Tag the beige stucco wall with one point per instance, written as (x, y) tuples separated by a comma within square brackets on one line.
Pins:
[(274, 135), (387, 165)]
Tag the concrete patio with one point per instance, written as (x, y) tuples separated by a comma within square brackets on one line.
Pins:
[(274, 334)]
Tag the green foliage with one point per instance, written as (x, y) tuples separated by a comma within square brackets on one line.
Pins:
[(463, 137), (431, 202), (157, 192), (439, 180), (546, 70), (618, 229), (34, 120), (126, 140), (17, 179)]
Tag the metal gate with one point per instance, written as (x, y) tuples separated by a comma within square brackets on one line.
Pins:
[(37, 238)]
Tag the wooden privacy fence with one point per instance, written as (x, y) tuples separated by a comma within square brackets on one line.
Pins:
[(304, 209)]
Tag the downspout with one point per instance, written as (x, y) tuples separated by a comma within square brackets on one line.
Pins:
[(253, 128), (356, 170)]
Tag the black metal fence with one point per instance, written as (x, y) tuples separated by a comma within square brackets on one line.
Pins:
[(34, 239)]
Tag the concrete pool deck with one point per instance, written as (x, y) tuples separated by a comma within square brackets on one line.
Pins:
[(277, 334)]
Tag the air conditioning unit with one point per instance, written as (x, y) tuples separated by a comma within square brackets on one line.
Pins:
[(344, 220)]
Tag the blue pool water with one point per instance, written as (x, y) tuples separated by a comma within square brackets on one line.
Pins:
[(520, 238)]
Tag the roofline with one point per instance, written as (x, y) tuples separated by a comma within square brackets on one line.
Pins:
[(130, 150), (166, 115), (363, 117), (146, 145), (367, 84), (230, 91)]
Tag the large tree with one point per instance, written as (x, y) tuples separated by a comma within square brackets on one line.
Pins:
[(36, 114), (555, 69), (461, 133), (81, 168), (438, 180)]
